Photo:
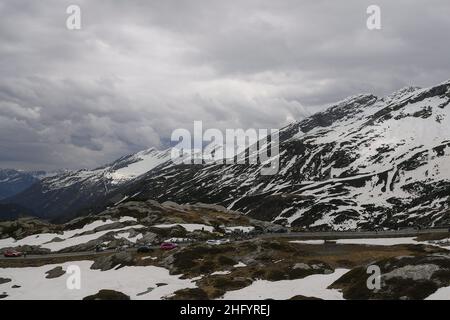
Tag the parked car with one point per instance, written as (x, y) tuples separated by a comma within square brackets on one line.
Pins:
[(143, 249), (168, 246), (12, 254)]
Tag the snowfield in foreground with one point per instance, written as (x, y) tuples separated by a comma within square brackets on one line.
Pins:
[(136, 282), (440, 294), (310, 286), (155, 283)]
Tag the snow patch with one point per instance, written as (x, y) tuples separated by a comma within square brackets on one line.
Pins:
[(137, 282), (311, 286)]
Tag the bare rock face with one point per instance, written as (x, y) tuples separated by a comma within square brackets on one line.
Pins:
[(119, 260), (419, 272)]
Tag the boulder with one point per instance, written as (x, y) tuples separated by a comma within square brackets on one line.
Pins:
[(120, 259), (418, 272), (55, 273), (107, 295)]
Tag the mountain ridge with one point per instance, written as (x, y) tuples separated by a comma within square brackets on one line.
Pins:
[(358, 164)]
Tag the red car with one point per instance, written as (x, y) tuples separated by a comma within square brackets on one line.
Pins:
[(168, 246), (12, 254)]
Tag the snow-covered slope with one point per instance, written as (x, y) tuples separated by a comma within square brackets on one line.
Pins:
[(137, 164), (35, 285), (116, 173), (365, 162)]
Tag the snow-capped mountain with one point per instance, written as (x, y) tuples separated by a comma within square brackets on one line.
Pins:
[(14, 181), (61, 196), (365, 162)]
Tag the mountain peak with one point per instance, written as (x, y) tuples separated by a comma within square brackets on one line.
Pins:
[(402, 93)]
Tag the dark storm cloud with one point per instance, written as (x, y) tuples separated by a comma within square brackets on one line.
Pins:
[(139, 69)]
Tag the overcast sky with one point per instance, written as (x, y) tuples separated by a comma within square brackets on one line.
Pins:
[(139, 69)]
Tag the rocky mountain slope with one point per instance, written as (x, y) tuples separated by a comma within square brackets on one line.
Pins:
[(13, 182), (366, 162), (62, 196)]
